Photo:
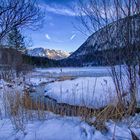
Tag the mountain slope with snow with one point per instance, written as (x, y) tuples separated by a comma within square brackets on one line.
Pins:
[(51, 54), (112, 36)]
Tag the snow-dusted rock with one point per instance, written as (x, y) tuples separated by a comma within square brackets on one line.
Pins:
[(52, 54)]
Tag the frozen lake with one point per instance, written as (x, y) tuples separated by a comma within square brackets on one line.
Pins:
[(75, 71), (86, 86)]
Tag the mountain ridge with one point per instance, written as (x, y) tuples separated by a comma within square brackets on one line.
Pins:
[(49, 53), (100, 42)]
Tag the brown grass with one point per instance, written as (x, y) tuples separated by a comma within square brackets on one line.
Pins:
[(63, 109), (63, 78)]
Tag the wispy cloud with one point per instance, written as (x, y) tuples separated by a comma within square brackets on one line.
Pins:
[(73, 36), (59, 9), (51, 24), (47, 36), (53, 40)]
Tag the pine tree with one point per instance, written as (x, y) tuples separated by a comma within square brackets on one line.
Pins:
[(16, 40)]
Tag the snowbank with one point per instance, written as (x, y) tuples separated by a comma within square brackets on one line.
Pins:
[(89, 91), (64, 128)]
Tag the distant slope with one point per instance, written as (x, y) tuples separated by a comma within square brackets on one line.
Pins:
[(51, 54), (92, 51)]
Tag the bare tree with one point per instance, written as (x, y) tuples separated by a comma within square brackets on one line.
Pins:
[(118, 26), (19, 13)]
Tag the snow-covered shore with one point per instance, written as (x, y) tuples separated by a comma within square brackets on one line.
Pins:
[(96, 91)]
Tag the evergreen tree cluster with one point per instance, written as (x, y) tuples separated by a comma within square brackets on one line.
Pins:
[(16, 40)]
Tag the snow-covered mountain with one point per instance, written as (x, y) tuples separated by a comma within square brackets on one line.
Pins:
[(51, 54), (109, 37)]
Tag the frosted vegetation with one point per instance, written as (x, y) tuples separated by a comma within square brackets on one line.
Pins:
[(90, 103), (69, 94)]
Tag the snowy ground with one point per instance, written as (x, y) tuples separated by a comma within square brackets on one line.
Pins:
[(84, 91), (93, 88), (69, 128)]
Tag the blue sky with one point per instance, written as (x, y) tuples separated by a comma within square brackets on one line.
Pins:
[(58, 31)]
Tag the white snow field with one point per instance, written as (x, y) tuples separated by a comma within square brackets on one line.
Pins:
[(84, 91), (91, 87), (64, 128)]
